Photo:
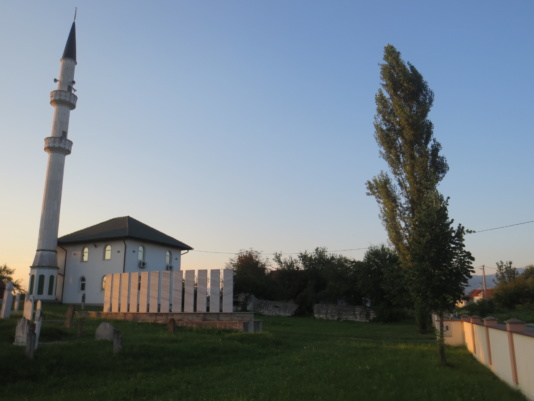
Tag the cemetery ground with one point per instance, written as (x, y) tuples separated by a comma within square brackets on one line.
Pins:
[(292, 359)]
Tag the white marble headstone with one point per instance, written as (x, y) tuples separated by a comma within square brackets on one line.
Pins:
[(177, 289), (189, 296), (154, 292), (215, 291), (107, 293), (116, 292), (143, 293), (228, 291), (165, 292), (202, 291), (8, 301), (28, 308), (134, 291), (125, 292)]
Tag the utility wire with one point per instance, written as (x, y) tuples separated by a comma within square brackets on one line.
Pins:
[(498, 228), (361, 249)]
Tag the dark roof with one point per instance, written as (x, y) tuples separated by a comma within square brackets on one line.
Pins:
[(122, 228), (70, 47)]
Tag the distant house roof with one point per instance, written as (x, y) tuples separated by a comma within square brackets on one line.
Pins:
[(122, 228)]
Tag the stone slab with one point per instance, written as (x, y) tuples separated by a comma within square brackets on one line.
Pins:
[(202, 290), (215, 291)]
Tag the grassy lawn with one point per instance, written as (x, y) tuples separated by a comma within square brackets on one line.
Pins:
[(292, 359)]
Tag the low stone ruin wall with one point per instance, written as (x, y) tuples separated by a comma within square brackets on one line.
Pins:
[(336, 312), (274, 308)]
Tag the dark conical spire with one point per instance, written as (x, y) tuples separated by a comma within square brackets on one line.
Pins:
[(70, 47)]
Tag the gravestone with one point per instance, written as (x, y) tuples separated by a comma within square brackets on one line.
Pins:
[(16, 304), (30, 341), (171, 325), (28, 308), (177, 289), (38, 321), (8, 301), (21, 332), (108, 283), (228, 291), (153, 302), (125, 291), (143, 293), (202, 290), (104, 331), (165, 292), (215, 291), (189, 292), (117, 341), (70, 316)]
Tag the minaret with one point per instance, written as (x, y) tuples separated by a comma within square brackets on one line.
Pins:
[(43, 272)]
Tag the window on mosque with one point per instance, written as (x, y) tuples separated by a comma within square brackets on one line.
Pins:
[(82, 283), (141, 253), (107, 252), (168, 258), (51, 285), (85, 254), (40, 284)]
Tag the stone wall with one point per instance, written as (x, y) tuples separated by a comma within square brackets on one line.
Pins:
[(274, 308), (336, 312)]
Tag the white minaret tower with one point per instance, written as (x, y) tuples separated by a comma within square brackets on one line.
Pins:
[(43, 272)]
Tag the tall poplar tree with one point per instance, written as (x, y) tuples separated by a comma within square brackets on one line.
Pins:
[(412, 210)]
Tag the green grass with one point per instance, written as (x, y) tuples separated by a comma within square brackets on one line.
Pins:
[(292, 359)]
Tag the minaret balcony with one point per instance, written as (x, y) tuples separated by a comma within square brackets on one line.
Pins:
[(65, 98), (56, 144)]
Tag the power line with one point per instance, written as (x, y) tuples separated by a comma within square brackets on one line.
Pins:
[(498, 228), (283, 253)]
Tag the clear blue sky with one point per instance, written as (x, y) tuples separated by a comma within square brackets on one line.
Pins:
[(233, 125)]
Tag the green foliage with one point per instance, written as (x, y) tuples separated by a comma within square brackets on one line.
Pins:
[(250, 274), (316, 277), (413, 212), (506, 273), (513, 289), (6, 274), (381, 280)]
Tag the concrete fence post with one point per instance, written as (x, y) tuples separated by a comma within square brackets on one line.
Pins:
[(490, 321), (514, 326)]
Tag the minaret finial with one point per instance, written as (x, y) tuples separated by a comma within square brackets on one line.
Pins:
[(75, 12)]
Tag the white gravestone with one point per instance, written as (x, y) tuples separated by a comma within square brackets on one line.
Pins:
[(143, 293), (202, 290), (16, 304), (125, 288), (8, 301), (154, 292), (116, 292), (38, 322), (215, 291), (165, 293), (28, 308), (134, 291), (108, 284), (177, 288), (228, 291), (189, 296)]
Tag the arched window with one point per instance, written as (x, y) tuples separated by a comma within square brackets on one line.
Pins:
[(141, 253), (32, 283), (40, 284), (104, 282), (107, 252), (51, 285), (82, 283), (168, 258), (85, 254)]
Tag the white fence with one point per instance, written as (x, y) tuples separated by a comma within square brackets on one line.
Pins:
[(507, 350), (170, 292)]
